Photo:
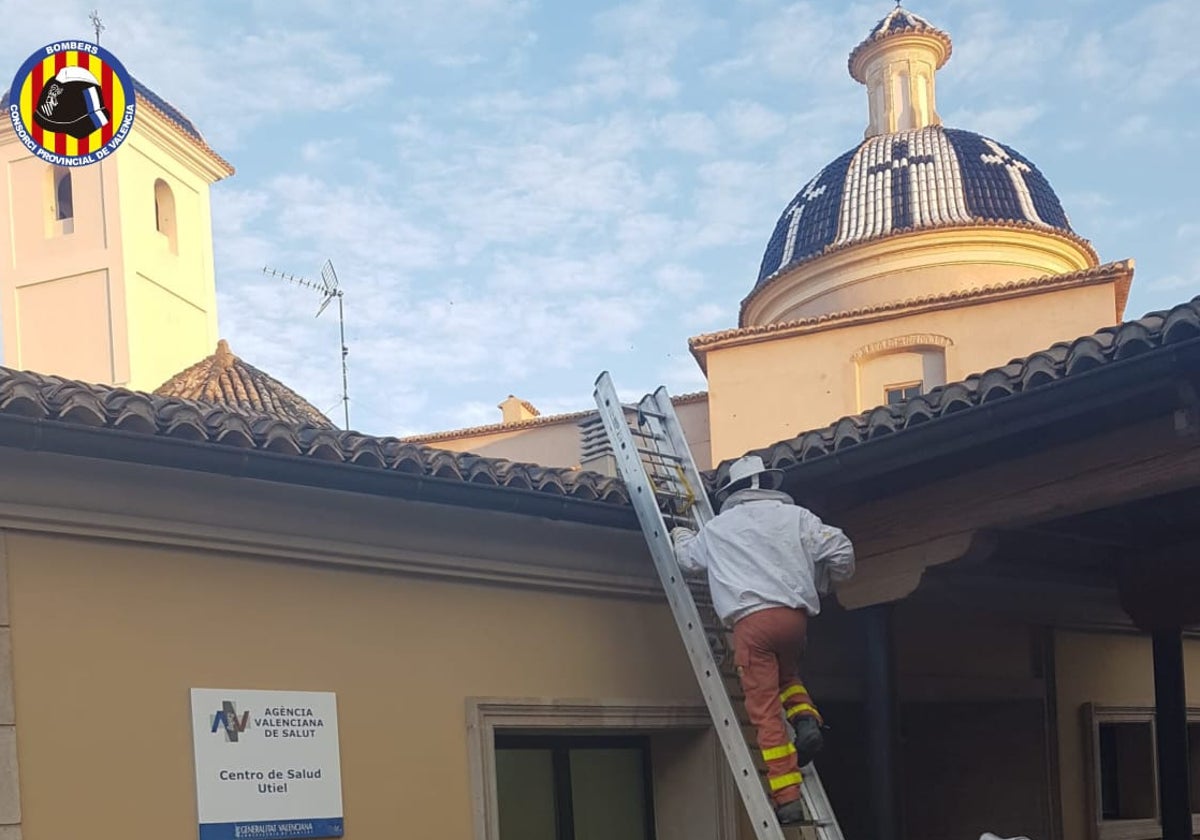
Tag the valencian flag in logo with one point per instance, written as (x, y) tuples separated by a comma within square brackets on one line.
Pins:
[(72, 103)]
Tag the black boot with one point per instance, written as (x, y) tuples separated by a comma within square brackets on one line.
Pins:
[(809, 739), (791, 813)]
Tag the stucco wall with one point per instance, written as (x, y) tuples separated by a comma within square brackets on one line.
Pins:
[(108, 639), (1110, 670), (43, 270), (763, 392), (171, 297), (146, 313)]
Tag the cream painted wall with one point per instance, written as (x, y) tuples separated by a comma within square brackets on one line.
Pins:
[(916, 264), (171, 300), (51, 284), (550, 444), (109, 638), (1110, 670), (558, 444), (772, 390), (146, 313)]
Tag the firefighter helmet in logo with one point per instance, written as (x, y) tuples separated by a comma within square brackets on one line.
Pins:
[(72, 103)]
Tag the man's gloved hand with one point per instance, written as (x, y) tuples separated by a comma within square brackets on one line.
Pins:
[(680, 531)]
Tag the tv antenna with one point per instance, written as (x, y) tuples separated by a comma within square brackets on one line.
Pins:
[(329, 289), (97, 24)]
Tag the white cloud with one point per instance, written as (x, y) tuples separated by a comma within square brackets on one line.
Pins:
[(1007, 123), (687, 132), (752, 122), (1146, 57)]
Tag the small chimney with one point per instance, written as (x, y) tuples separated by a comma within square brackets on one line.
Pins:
[(513, 410)]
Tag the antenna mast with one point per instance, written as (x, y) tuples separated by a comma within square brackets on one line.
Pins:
[(97, 24), (330, 290)]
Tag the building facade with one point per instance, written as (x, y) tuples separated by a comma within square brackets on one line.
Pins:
[(1017, 466)]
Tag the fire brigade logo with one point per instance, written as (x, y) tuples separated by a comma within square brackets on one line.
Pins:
[(72, 103)]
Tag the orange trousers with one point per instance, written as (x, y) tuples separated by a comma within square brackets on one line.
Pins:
[(767, 646)]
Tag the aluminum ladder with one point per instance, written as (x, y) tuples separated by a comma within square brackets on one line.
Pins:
[(666, 490)]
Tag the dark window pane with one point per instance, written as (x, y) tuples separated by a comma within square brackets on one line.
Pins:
[(1127, 787), (63, 197), (608, 794), (525, 789)]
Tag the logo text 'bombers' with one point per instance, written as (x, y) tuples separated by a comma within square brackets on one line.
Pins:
[(72, 103)]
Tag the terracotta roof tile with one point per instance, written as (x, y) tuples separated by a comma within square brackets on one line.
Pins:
[(53, 399), (224, 379)]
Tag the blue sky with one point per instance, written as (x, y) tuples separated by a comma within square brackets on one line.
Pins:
[(518, 194)]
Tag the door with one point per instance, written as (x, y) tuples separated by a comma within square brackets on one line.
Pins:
[(554, 787)]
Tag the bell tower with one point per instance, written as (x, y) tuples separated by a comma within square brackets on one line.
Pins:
[(106, 270)]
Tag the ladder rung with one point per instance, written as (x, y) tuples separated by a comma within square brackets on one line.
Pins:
[(664, 455)]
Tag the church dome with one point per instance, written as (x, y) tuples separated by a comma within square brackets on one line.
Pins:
[(916, 208), (226, 380), (924, 178)]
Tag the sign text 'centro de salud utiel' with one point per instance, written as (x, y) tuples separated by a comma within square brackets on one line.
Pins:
[(268, 765)]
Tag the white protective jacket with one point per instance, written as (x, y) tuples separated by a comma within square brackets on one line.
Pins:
[(762, 551)]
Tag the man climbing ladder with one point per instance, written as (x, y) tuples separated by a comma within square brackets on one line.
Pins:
[(666, 489), (768, 561)]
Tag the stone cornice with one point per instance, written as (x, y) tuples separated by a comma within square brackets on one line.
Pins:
[(1120, 272), (197, 156)]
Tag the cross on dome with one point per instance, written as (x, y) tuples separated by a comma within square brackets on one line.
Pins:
[(1017, 171), (796, 211)]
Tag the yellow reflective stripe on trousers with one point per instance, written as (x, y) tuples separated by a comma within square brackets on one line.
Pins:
[(792, 692), (780, 782), (802, 707), (775, 753)]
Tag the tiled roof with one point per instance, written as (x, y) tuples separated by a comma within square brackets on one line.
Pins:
[(1060, 361), (224, 379), (926, 178), (532, 422), (55, 400), (899, 21), (1121, 271), (168, 110), (528, 406), (67, 403)]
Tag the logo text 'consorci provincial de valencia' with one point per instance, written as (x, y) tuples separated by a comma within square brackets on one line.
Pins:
[(72, 103)]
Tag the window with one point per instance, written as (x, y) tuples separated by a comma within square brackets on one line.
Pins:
[(60, 201), (574, 788), (164, 213), (1126, 771), (899, 393), (1122, 770), (63, 197)]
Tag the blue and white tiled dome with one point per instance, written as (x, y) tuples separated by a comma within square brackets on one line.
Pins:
[(926, 178)]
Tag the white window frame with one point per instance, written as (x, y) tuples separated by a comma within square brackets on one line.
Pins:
[(485, 715)]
